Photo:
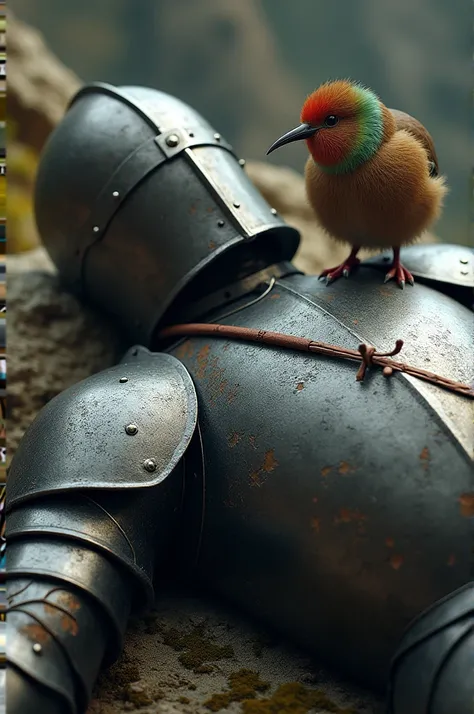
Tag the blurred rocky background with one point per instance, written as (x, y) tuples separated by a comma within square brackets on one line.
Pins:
[(248, 65)]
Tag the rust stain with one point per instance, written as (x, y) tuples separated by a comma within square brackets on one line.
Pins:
[(326, 471), (210, 209), (234, 439), (345, 468), (216, 382), (252, 440), (192, 209), (212, 245), (451, 560), (299, 386), (232, 394), (425, 458), (347, 515), (66, 622), (184, 350), (396, 561), (315, 525), (35, 633), (466, 503), (269, 464), (389, 542), (356, 321), (68, 601), (202, 361), (275, 296), (385, 292)]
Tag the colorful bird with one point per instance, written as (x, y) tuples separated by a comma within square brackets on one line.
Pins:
[(372, 176)]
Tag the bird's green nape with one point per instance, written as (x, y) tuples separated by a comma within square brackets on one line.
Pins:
[(370, 131)]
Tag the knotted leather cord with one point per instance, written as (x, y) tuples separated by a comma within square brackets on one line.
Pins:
[(366, 354)]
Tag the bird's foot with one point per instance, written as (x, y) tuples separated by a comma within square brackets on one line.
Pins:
[(342, 270), (401, 274)]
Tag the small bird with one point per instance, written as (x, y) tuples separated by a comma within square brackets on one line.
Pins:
[(372, 176)]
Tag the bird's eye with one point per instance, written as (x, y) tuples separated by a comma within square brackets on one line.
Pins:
[(331, 120)]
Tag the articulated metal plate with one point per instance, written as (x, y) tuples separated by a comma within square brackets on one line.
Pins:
[(128, 426), (135, 188)]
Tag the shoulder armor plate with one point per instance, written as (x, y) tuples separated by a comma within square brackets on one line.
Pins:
[(126, 427), (445, 267)]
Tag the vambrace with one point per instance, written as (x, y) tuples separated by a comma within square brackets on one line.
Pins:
[(94, 498), (433, 670)]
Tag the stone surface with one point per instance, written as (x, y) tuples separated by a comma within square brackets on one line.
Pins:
[(39, 85), (52, 340), (151, 670)]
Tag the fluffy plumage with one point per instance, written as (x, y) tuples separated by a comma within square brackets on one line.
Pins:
[(372, 175)]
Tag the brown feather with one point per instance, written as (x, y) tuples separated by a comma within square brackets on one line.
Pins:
[(389, 201), (416, 129)]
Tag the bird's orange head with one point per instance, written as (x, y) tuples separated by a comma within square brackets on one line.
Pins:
[(343, 125)]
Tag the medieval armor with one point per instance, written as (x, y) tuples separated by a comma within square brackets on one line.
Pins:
[(337, 511)]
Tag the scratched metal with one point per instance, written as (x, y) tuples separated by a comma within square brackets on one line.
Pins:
[(90, 418), (335, 511), (432, 669), (438, 335), (87, 518), (172, 222)]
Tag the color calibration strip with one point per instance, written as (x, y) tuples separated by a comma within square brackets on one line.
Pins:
[(3, 356)]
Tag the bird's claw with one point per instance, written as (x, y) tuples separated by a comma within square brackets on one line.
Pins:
[(401, 274), (344, 270)]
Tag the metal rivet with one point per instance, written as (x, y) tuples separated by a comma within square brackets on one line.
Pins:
[(123, 379), (191, 133), (172, 140), (221, 223), (217, 136), (37, 649), (96, 229), (242, 162), (236, 204), (131, 429), (115, 194), (464, 272), (464, 261), (149, 465), (274, 211)]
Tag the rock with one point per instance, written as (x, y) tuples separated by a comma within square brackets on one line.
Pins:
[(54, 339), (39, 85), (175, 689)]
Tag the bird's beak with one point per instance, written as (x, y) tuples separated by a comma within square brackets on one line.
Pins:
[(303, 131)]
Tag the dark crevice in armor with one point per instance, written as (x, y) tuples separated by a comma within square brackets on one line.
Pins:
[(238, 263)]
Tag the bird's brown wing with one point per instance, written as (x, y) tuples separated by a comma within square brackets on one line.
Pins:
[(416, 129)]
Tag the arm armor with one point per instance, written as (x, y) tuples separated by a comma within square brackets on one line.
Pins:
[(433, 670), (93, 503)]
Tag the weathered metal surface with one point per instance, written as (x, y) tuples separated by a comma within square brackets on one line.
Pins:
[(94, 500), (446, 267), (336, 510), (90, 419), (137, 211)]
